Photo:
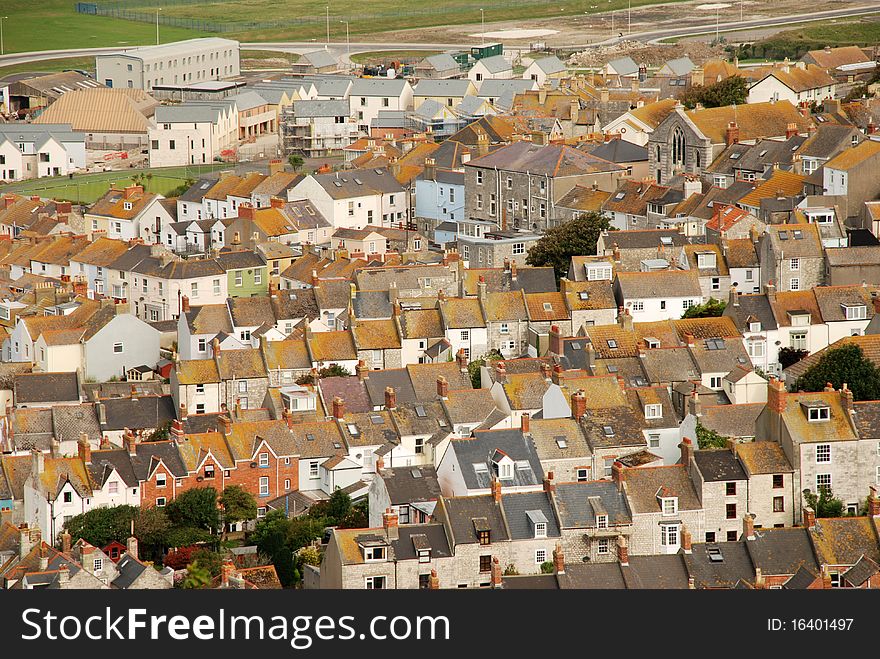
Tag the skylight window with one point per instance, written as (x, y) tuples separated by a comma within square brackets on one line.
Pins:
[(561, 442), (548, 306), (612, 344), (584, 295), (420, 411), (619, 196), (608, 430), (353, 430)]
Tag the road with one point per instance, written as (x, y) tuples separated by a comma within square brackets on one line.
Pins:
[(342, 49)]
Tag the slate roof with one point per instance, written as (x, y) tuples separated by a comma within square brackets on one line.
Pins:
[(45, 388), (549, 160), (717, 465), (480, 450), (644, 483), (520, 510), (782, 551), (464, 513), (844, 540), (579, 503), (431, 536), (735, 564)]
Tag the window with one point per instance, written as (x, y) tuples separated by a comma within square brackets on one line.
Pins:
[(484, 537), (160, 502), (485, 563), (374, 553), (653, 440), (794, 264), (778, 480), (638, 305), (209, 472), (313, 469), (519, 248), (479, 177), (602, 547), (216, 287), (200, 408), (750, 275), (755, 348), (794, 284), (202, 347), (857, 312), (264, 486), (821, 414), (113, 487), (117, 348), (582, 474), (264, 459), (669, 535), (730, 510), (654, 411), (420, 445), (67, 497), (715, 382), (823, 481), (242, 386), (194, 289), (710, 536), (669, 505), (601, 521), (465, 335), (778, 504), (200, 388), (798, 340), (160, 480), (730, 489), (374, 583), (504, 328), (731, 536), (540, 530), (239, 280), (286, 483), (823, 452), (540, 556)]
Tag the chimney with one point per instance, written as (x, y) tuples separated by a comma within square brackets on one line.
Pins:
[(791, 130), (362, 371), (63, 573), (825, 574), (338, 408), (748, 527), (65, 542), (545, 371), (622, 550), (556, 373), (80, 287), (132, 190), (873, 502), (430, 169), (390, 398), (549, 484), (389, 524), (496, 573), (695, 407), (687, 451), (63, 207), (182, 414), (246, 211), (433, 581), (226, 572), (500, 371), (524, 422), (461, 358), (129, 442), (846, 397), (558, 559), (775, 395), (276, 202), (686, 540), (591, 357), (184, 304), (617, 474), (226, 424), (760, 584), (131, 546), (555, 340), (578, 404), (642, 348), (733, 297), (84, 449), (513, 274), (731, 134), (215, 347), (27, 539), (176, 430), (809, 517), (496, 489), (626, 321), (689, 340), (615, 252), (442, 387)]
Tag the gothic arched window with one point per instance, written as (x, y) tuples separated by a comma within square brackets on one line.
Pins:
[(677, 146)]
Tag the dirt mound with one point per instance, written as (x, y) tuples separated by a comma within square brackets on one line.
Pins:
[(650, 55)]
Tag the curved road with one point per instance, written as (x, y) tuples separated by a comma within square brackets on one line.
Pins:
[(342, 50)]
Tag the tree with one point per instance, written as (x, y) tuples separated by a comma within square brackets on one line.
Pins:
[(730, 91), (707, 438), (824, 504), (332, 371), (577, 237), (179, 558), (196, 508), (210, 560), (309, 556), (295, 161), (271, 537), (303, 530), (710, 309), (789, 356), (197, 576), (475, 367), (338, 506), (151, 526), (238, 504), (101, 526), (547, 567), (843, 364)]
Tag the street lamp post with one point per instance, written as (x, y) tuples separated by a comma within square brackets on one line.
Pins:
[(482, 27), (2, 48), (328, 26), (717, 19), (158, 9), (629, 17), (347, 46)]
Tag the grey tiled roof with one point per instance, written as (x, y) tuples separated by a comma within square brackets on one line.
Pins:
[(719, 465), (523, 509), (577, 511), (484, 445)]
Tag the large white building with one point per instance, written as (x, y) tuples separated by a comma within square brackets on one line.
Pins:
[(32, 151), (193, 133), (181, 62)]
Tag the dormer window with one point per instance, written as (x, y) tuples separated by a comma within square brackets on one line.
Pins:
[(754, 326), (817, 411), (601, 521), (651, 342), (668, 504), (483, 531), (855, 311), (538, 522), (654, 411), (374, 553), (706, 260), (503, 465), (424, 555), (540, 530), (127, 205)]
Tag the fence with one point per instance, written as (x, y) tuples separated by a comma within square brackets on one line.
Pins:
[(126, 11)]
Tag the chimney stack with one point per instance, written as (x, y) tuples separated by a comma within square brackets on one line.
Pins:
[(775, 395), (555, 340), (617, 474), (389, 524), (546, 371), (731, 134), (227, 569), (687, 451), (496, 489), (84, 449), (442, 387), (558, 559), (591, 357), (461, 358), (809, 517), (748, 527), (496, 573), (226, 424), (549, 484), (686, 540), (524, 422), (65, 542), (362, 371), (578, 404), (131, 546), (433, 581), (390, 398), (184, 304), (129, 442), (622, 550), (338, 408), (846, 398), (873, 502), (500, 371), (695, 407)]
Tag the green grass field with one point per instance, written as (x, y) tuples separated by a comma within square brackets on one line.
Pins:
[(54, 24), (384, 55), (86, 188), (50, 66)]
